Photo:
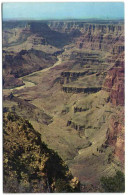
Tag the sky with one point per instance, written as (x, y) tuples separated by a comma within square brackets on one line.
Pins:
[(62, 10)]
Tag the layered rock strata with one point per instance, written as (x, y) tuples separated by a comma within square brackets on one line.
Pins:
[(114, 83)]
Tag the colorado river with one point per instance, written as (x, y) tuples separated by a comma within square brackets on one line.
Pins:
[(29, 83), (45, 69)]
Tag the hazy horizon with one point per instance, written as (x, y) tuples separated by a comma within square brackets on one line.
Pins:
[(63, 11)]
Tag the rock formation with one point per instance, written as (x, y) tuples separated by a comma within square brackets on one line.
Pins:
[(25, 62), (29, 166), (107, 37), (81, 90), (114, 83)]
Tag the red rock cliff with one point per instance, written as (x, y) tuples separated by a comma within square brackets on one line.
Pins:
[(94, 36), (114, 83), (115, 135)]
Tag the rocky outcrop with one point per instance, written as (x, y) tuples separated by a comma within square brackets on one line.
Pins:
[(27, 61), (114, 82), (118, 49), (81, 90), (76, 126), (51, 36), (90, 58), (67, 77), (73, 74), (95, 36), (39, 41), (58, 52), (29, 166), (101, 42), (80, 109), (9, 81), (13, 24), (31, 111), (115, 136), (23, 63), (85, 26)]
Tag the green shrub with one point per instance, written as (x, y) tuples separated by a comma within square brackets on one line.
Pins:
[(114, 184), (62, 186), (12, 117)]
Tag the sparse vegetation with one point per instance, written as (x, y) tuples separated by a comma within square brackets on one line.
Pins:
[(63, 186), (29, 166), (114, 184)]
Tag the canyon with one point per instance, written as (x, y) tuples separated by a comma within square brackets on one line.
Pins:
[(67, 79)]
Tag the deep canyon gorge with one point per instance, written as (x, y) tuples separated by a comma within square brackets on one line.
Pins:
[(67, 79)]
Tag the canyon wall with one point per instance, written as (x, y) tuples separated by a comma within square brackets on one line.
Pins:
[(16, 65), (94, 36), (114, 84), (77, 102)]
